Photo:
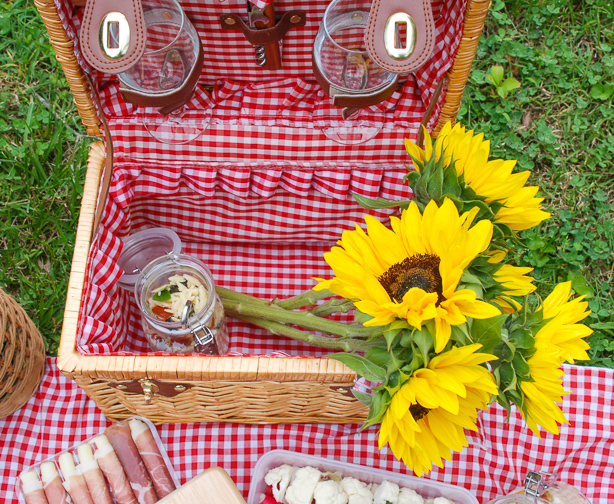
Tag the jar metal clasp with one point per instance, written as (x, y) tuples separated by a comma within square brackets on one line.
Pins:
[(202, 334), (536, 483)]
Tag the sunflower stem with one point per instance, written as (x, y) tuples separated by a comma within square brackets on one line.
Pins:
[(300, 318), (307, 298), (335, 305), (346, 344), (243, 298)]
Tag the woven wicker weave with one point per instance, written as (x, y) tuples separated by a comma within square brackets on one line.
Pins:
[(22, 356)]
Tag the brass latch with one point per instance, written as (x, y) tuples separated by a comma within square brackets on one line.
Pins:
[(151, 388)]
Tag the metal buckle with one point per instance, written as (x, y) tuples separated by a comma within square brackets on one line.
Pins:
[(536, 483), (114, 35), (205, 337)]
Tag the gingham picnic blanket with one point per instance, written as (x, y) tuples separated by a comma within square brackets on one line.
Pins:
[(60, 416)]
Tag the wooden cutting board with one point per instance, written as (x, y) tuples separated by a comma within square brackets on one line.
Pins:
[(212, 486)]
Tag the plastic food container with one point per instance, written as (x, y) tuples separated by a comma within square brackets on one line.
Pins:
[(427, 488), (143, 247), (73, 451), (543, 488), (203, 332)]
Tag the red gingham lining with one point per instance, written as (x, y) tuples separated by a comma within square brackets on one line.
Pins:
[(497, 459), (264, 247)]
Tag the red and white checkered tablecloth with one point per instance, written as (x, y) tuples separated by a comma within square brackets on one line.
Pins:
[(61, 415)]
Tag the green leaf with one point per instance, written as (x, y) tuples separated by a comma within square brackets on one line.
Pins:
[(162, 296), (522, 338), (460, 334), (602, 91), (362, 366), (379, 401), (496, 72), (360, 317), (510, 84), (579, 285), (487, 332), (424, 342), (508, 376), (376, 204), (362, 397), (451, 185), (520, 365)]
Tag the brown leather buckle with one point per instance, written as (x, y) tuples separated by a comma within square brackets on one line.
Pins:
[(381, 36), (98, 18)]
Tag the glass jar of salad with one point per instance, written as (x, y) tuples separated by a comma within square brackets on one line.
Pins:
[(180, 311), (543, 488)]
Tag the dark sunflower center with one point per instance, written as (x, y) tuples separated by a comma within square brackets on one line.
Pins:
[(420, 270), (418, 411)]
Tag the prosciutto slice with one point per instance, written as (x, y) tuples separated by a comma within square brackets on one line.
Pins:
[(120, 437), (32, 488), (150, 453), (114, 472), (94, 479), (73, 481), (52, 484)]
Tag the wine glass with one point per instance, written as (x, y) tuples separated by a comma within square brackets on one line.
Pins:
[(164, 78), (345, 70)]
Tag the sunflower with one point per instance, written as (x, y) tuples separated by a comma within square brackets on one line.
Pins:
[(427, 416), (412, 271), (542, 394), (513, 279), (562, 332), (492, 180)]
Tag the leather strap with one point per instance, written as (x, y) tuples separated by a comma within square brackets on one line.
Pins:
[(172, 99), (352, 101), (381, 15), (265, 36), (429, 112), (93, 17)]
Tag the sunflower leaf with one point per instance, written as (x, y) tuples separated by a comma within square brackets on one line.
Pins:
[(461, 335), (379, 355), (360, 317), (522, 338), (362, 366), (376, 204), (520, 365), (503, 401), (424, 341), (487, 332), (362, 397), (451, 185), (378, 408), (508, 376)]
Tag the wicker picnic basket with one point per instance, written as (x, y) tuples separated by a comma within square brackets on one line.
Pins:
[(254, 384), (22, 356)]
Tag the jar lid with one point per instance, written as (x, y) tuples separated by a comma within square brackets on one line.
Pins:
[(142, 248)]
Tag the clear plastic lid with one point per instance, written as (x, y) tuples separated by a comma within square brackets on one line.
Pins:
[(142, 248)]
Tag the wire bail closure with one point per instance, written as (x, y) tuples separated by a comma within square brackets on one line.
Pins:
[(536, 483), (202, 334)]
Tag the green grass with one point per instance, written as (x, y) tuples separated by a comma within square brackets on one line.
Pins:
[(42, 167), (557, 124)]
